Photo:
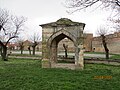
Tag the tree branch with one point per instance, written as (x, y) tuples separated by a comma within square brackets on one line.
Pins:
[(10, 39), (1, 43)]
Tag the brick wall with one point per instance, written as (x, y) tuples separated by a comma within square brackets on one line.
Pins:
[(113, 43)]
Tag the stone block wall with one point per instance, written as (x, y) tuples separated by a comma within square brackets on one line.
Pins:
[(53, 33)]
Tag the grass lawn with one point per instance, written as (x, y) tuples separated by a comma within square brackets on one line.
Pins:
[(27, 74), (114, 56)]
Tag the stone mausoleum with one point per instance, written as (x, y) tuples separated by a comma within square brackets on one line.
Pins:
[(53, 33)]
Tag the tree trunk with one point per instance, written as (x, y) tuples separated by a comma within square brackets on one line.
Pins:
[(21, 48), (4, 53), (65, 47), (105, 47), (107, 54), (66, 54), (33, 50), (1, 50), (29, 50), (21, 51)]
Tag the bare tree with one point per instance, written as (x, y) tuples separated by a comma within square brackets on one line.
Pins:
[(20, 42), (35, 39), (66, 50), (10, 27), (102, 32), (4, 19), (78, 5), (29, 49), (117, 24), (112, 5)]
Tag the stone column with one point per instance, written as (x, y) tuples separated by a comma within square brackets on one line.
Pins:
[(76, 57), (45, 55), (53, 52), (81, 59)]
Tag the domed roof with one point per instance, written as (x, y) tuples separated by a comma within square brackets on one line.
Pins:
[(64, 21)]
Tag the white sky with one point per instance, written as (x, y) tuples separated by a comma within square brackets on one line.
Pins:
[(45, 11)]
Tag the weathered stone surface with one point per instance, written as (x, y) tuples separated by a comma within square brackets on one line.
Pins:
[(45, 63), (53, 33)]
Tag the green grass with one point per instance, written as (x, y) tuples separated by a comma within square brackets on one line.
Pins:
[(27, 74), (114, 56)]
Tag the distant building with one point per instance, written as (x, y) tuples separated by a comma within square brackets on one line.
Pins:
[(90, 44), (28, 43), (88, 37), (113, 43), (11, 46), (67, 42), (94, 44)]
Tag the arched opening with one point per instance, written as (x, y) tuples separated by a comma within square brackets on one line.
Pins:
[(57, 31), (66, 51), (53, 44)]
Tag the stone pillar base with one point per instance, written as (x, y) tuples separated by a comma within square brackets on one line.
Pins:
[(45, 63), (79, 67), (80, 62)]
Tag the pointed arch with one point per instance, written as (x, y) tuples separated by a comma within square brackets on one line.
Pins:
[(61, 34)]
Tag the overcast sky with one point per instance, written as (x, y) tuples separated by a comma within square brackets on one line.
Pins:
[(45, 11)]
